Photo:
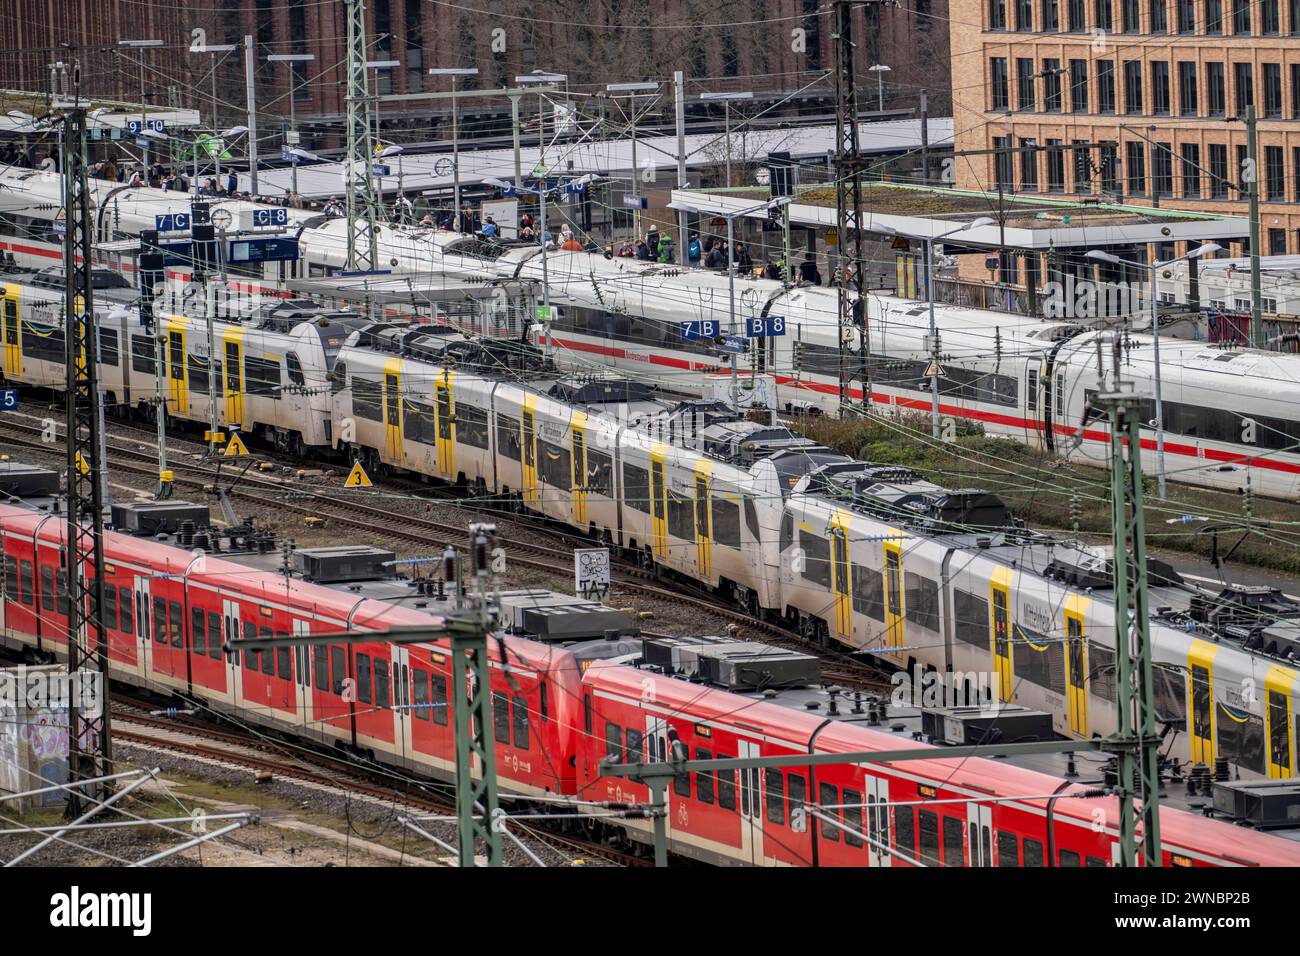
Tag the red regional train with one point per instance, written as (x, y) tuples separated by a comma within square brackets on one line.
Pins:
[(167, 612)]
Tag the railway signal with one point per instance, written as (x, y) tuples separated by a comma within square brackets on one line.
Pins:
[(357, 478)]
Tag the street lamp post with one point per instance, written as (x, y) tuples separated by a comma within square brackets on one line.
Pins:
[(376, 66), (455, 73), (144, 109), (727, 99), (632, 89), (1154, 267), (880, 70), (539, 78), (213, 51), (292, 58), (929, 294)]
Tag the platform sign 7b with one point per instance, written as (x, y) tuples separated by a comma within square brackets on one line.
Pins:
[(765, 328), (8, 399), (699, 329)]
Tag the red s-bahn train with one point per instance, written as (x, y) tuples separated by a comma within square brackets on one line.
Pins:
[(167, 612)]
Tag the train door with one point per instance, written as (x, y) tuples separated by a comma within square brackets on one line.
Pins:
[(578, 430), (1200, 685), (144, 623), (177, 389), (445, 411), (401, 664), (841, 577), (233, 365), (12, 344), (703, 532), (1001, 627), (1279, 686), (658, 504), (528, 438), (302, 672), (894, 599), (234, 674), (392, 399), (979, 831), (751, 805), (1076, 665), (877, 818)]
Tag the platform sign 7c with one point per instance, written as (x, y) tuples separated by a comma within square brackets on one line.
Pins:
[(8, 399)]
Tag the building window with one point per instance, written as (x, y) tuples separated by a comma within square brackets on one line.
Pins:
[(1052, 85), (1159, 17), (1213, 16), (1187, 105), (1002, 163), (1025, 101), (1241, 17), (1191, 153), (1274, 174), (1079, 85), (1078, 18), (1295, 18), (1272, 90), (1295, 81), (1131, 16), (1104, 19), (998, 73), (1160, 87), (1055, 166), (1051, 16), (1136, 167), (1028, 165), (1244, 81), (1215, 90), (1186, 16), (997, 14), (1239, 181), (1295, 170), (1162, 168), (1025, 16), (1269, 17), (1132, 86), (1277, 242), (1218, 171), (1105, 86), (1110, 168), (1082, 167)]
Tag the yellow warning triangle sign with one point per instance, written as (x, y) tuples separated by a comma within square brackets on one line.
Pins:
[(934, 370), (235, 448), (358, 478)]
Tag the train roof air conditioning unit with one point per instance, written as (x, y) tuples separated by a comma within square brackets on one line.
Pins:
[(344, 563), (1260, 803)]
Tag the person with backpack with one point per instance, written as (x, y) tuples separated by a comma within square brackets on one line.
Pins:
[(693, 251)]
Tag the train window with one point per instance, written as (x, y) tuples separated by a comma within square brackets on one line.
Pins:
[(26, 584), (681, 782), (294, 369), (726, 522), (197, 367), (613, 742), (159, 621), (635, 742), (775, 796), (176, 619), (501, 718), (921, 599), (555, 466), (828, 795), (1068, 858), (905, 830), (109, 617), (636, 488), (10, 589), (929, 826), (508, 445), (421, 694), (47, 588), (471, 425), (363, 678), (61, 592), (1038, 659), (381, 683), (519, 714), (816, 558), (1201, 709), (250, 657), (283, 659), (787, 531), (198, 631), (971, 615), (438, 691), (142, 354), (108, 351), (1033, 853), (852, 817), (1031, 390), (1170, 690), (321, 657), (367, 400), (176, 355), (543, 702), (1101, 675), (726, 785), (586, 713), (1279, 730), (954, 841), (338, 669), (125, 615), (214, 635), (268, 655), (1095, 861), (418, 424), (1241, 741), (528, 438), (1008, 849), (751, 518), (600, 473), (703, 779), (261, 376), (681, 516)]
